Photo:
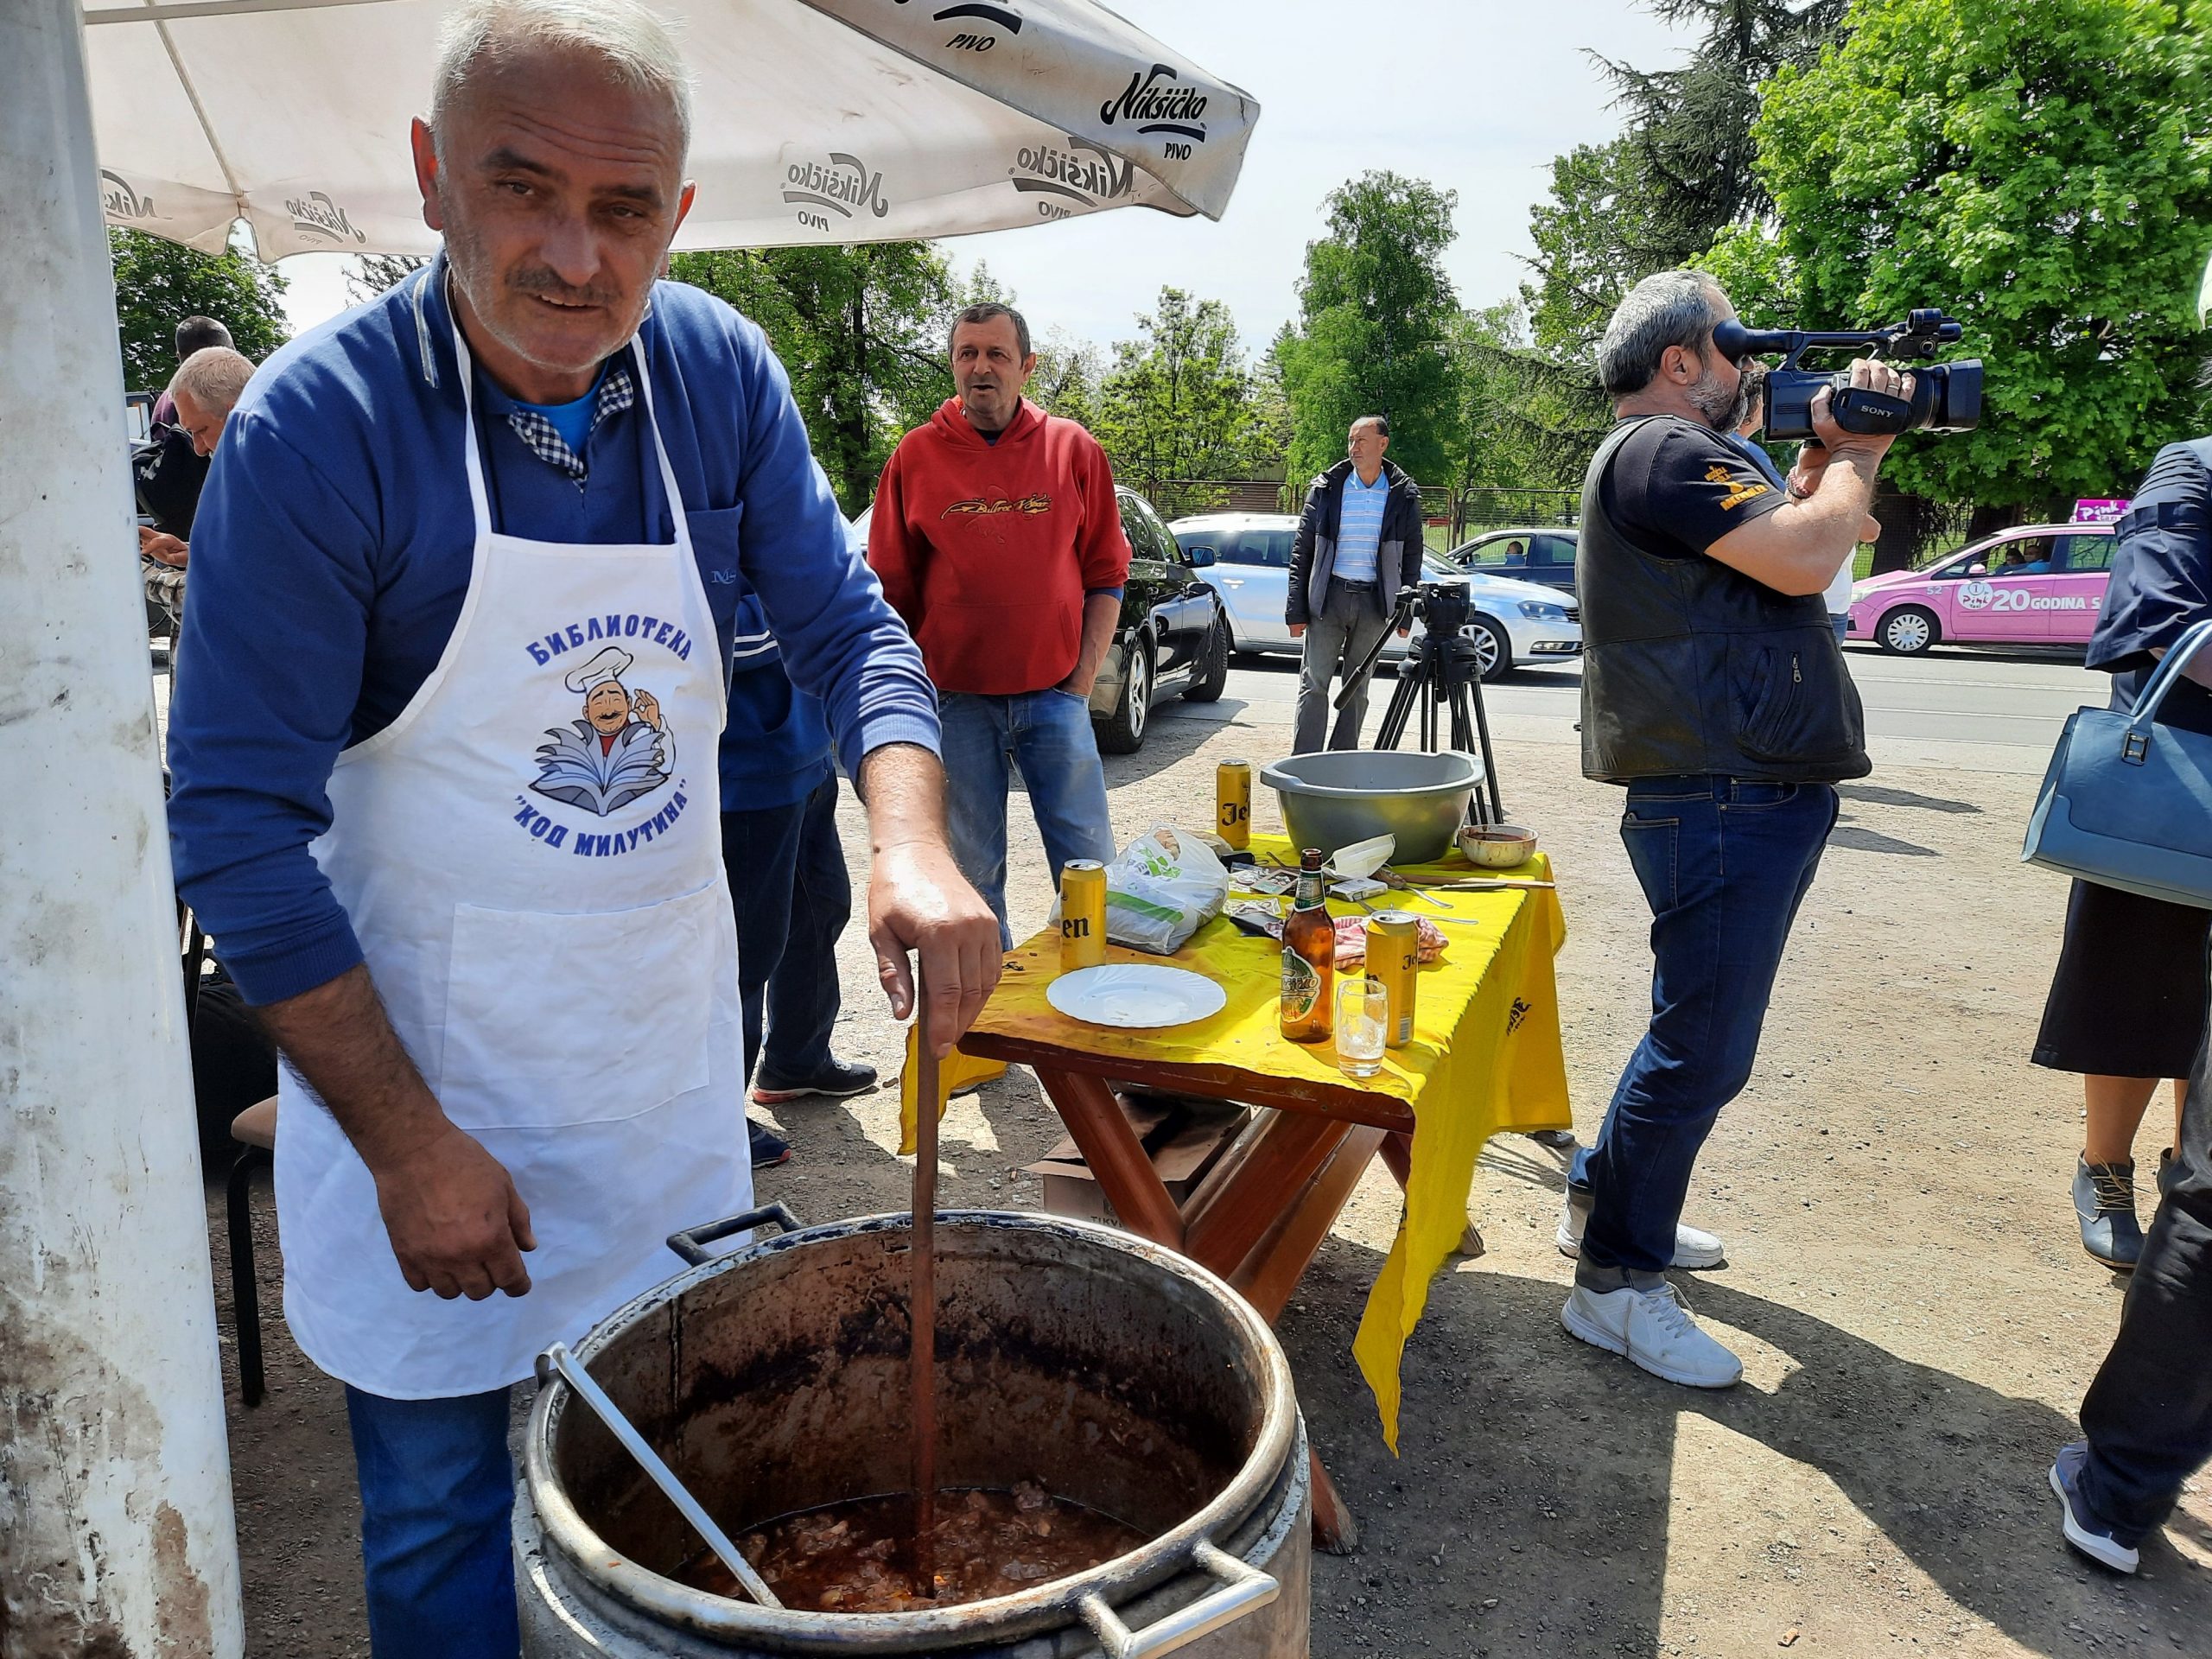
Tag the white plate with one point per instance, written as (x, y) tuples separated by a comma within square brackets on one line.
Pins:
[(1135, 995)]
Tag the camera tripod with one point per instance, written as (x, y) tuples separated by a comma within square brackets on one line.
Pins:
[(1442, 677)]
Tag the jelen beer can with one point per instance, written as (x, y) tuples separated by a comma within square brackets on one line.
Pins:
[(1232, 797), (1393, 955), (1082, 914)]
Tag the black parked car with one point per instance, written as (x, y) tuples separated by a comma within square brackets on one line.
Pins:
[(1544, 554), (1173, 638)]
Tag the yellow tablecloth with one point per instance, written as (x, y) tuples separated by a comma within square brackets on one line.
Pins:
[(1485, 1057)]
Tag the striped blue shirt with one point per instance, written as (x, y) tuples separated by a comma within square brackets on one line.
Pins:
[(1359, 527)]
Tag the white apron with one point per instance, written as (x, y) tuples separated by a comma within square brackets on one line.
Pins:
[(532, 863)]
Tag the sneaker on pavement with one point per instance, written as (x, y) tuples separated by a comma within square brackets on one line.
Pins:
[(1650, 1328), (2104, 1204), (1693, 1247), (768, 1149), (2087, 1535), (835, 1080)]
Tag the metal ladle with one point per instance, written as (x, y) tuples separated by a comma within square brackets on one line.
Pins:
[(573, 1373)]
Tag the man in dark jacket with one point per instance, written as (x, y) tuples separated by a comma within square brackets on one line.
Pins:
[(1714, 689), (1358, 546)]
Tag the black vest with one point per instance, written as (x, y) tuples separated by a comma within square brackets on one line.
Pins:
[(1689, 667)]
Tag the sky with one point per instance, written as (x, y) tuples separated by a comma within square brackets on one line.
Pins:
[(1475, 96)]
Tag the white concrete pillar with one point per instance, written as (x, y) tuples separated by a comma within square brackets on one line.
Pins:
[(116, 1532)]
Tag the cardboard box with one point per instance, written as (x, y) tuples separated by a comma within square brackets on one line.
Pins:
[(1183, 1138)]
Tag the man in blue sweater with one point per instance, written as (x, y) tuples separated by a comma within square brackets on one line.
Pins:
[(510, 1021), (788, 881)]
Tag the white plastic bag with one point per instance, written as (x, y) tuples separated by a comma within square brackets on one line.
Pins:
[(1161, 888)]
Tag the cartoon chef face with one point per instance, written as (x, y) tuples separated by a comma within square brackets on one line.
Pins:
[(607, 706)]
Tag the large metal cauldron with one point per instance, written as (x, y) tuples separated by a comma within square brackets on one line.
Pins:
[(774, 1379)]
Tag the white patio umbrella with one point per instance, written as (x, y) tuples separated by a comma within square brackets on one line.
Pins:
[(816, 121)]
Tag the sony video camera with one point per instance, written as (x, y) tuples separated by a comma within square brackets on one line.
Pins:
[(1946, 396)]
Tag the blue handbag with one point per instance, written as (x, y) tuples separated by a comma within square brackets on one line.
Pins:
[(2128, 803)]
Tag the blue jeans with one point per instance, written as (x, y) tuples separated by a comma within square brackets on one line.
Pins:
[(1048, 734), (793, 896), (438, 1502), (1723, 864)]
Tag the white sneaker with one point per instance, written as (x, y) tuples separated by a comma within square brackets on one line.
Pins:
[(1693, 1248), (1650, 1328)]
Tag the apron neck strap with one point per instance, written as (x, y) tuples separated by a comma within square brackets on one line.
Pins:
[(471, 451)]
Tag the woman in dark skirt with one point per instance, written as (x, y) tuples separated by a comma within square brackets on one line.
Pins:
[(2127, 1005)]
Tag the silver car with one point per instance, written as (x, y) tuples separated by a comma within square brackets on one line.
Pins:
[(1245, 557)]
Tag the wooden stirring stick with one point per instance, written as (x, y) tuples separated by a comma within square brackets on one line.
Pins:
[(921, 1313)]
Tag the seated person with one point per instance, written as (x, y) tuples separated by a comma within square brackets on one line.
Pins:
[(169, 472), (205, 389), (1515, 554)]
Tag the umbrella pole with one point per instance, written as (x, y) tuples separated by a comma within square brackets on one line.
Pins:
[(115, 1527)]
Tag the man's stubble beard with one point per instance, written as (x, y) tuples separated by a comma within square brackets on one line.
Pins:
[(472, 271), (1724, 410)]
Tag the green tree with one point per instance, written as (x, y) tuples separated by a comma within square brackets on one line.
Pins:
[(1596, 237), (1067, 377), (1512, 432), (1681, 173), (1689, 127), (158, 283), (1178, 404), (860, 330), (1375, 313), (372, 273), (2043, 174)]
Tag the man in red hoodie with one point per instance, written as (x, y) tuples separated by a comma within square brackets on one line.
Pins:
[(997, 537)]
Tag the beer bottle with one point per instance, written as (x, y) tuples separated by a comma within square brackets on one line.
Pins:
[(1309, 958)]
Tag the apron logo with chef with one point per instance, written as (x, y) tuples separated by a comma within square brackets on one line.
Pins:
[(620, 751)]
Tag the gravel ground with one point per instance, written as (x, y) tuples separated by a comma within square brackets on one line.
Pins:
[(1917, 1319)]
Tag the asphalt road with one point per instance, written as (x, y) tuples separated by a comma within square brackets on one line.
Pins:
[(1955, 707)]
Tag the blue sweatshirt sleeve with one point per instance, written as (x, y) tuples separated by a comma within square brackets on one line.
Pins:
[(268, 671), (840, 640)]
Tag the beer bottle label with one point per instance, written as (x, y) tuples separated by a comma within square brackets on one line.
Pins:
[(1301, 986)]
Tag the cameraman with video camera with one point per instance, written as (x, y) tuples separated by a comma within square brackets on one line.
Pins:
[(1714, 689)]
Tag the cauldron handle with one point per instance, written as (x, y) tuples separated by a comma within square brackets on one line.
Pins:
[(691, 1244), (1246, 1590)]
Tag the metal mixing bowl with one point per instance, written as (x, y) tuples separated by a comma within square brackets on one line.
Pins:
[(1333, 799)]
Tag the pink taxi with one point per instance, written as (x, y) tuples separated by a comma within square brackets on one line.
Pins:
[(2034, 585)]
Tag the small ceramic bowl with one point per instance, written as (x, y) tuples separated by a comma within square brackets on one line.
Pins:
[(1498, 846)]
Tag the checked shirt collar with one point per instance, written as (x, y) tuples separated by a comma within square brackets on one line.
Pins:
[(617, 392)]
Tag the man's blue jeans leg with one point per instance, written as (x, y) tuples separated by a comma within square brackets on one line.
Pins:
[(1048, 734), (1057, 753), (974, 741), (437, 1500), (1723, 864)]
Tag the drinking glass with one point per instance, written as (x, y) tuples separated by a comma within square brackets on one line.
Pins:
[(1363, 1017)]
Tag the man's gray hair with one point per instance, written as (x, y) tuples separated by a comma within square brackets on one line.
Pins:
[(215, 377), (636, 46), (984, 311), (1673, 308)]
